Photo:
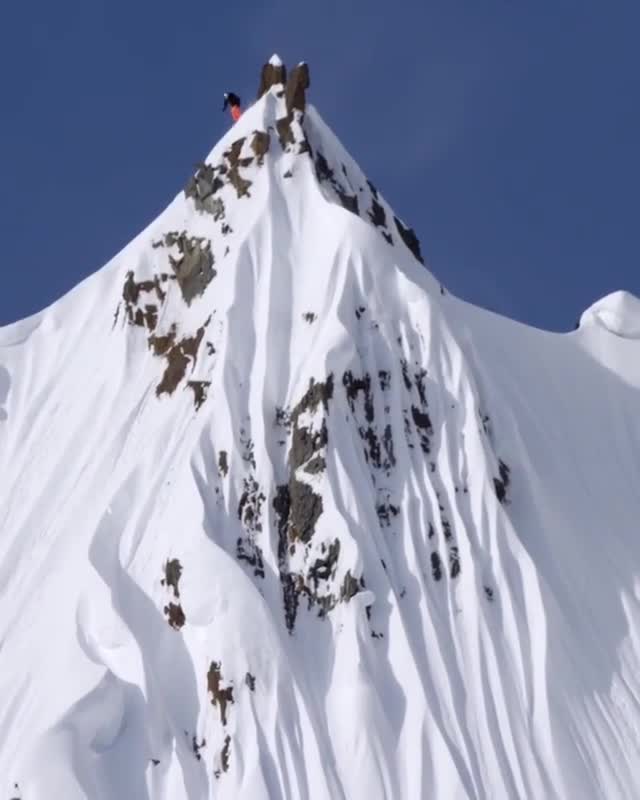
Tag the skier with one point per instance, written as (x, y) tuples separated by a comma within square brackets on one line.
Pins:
[(232, 101)]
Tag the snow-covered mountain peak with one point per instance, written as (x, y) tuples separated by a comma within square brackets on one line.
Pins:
[(281, 518)]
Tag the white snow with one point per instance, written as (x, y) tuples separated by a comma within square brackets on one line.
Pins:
[(444, 644), (275, 60), (618, 313)]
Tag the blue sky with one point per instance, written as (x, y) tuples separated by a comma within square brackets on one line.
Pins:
[(505, 131)]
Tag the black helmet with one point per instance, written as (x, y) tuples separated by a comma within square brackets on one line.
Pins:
[(230, 99)]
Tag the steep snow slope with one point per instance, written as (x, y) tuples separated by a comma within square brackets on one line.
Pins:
[(280, 518)]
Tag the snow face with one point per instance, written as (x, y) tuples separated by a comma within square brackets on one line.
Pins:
[(618, 313), (282, 518)]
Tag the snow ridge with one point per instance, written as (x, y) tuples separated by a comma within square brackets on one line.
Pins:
[(282, 518)]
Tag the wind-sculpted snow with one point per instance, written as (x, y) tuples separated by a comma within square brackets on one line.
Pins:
[(280, 518)]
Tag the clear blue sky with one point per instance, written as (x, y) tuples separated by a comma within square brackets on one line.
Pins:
[(507, 132)]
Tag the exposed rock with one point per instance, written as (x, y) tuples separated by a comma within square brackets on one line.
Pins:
[(240, 184), (323, 170), (250, 680), (350, 587), (160, 345), (297, 85), (260, 145), (271, 75), (175, 616), (306, 442), (502, 484), (197, 747), (223, 463), (454, 562), (224, 754), (316, 393), (410, 239), (306, 510), (178, 357), (194, 266), (200, 391), (132, 289), (436, 566), (250, 506), (325, 567), (377, 214), (290, 594), (233, 153), (247, 550), (220, 697), (349, 201), (203, 186), (386, 511), (132, 292), (315, 466), (172, 574), (285, 133)]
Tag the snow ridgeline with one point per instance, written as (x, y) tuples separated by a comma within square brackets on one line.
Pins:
[(282, 518)]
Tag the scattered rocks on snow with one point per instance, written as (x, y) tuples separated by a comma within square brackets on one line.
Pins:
[(200, 391), (221, 697), (410, 239), (224, 757), (223, 463), (175, 615), (260, 145), (193, 267), (143, 315), (178, 355), (172, 575), (502, 483)]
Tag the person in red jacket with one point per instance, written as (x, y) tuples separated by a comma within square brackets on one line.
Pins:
[(232, 101)]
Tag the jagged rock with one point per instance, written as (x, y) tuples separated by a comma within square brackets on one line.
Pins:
[(350, 587), (377, 214), (224, 754), (273, 73), (306, 510), (436, 566), (220, 697), (178, 357), (324, 568), (285, 134), (175, 616), (132, 291), (297, 85), (223, 463), (194, 267), (410, 239), (260, 145), (200, 390), (202, 186), (172, 575)]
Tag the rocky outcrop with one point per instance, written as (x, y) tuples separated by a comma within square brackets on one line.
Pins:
[(297, 85), (273, 73)]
